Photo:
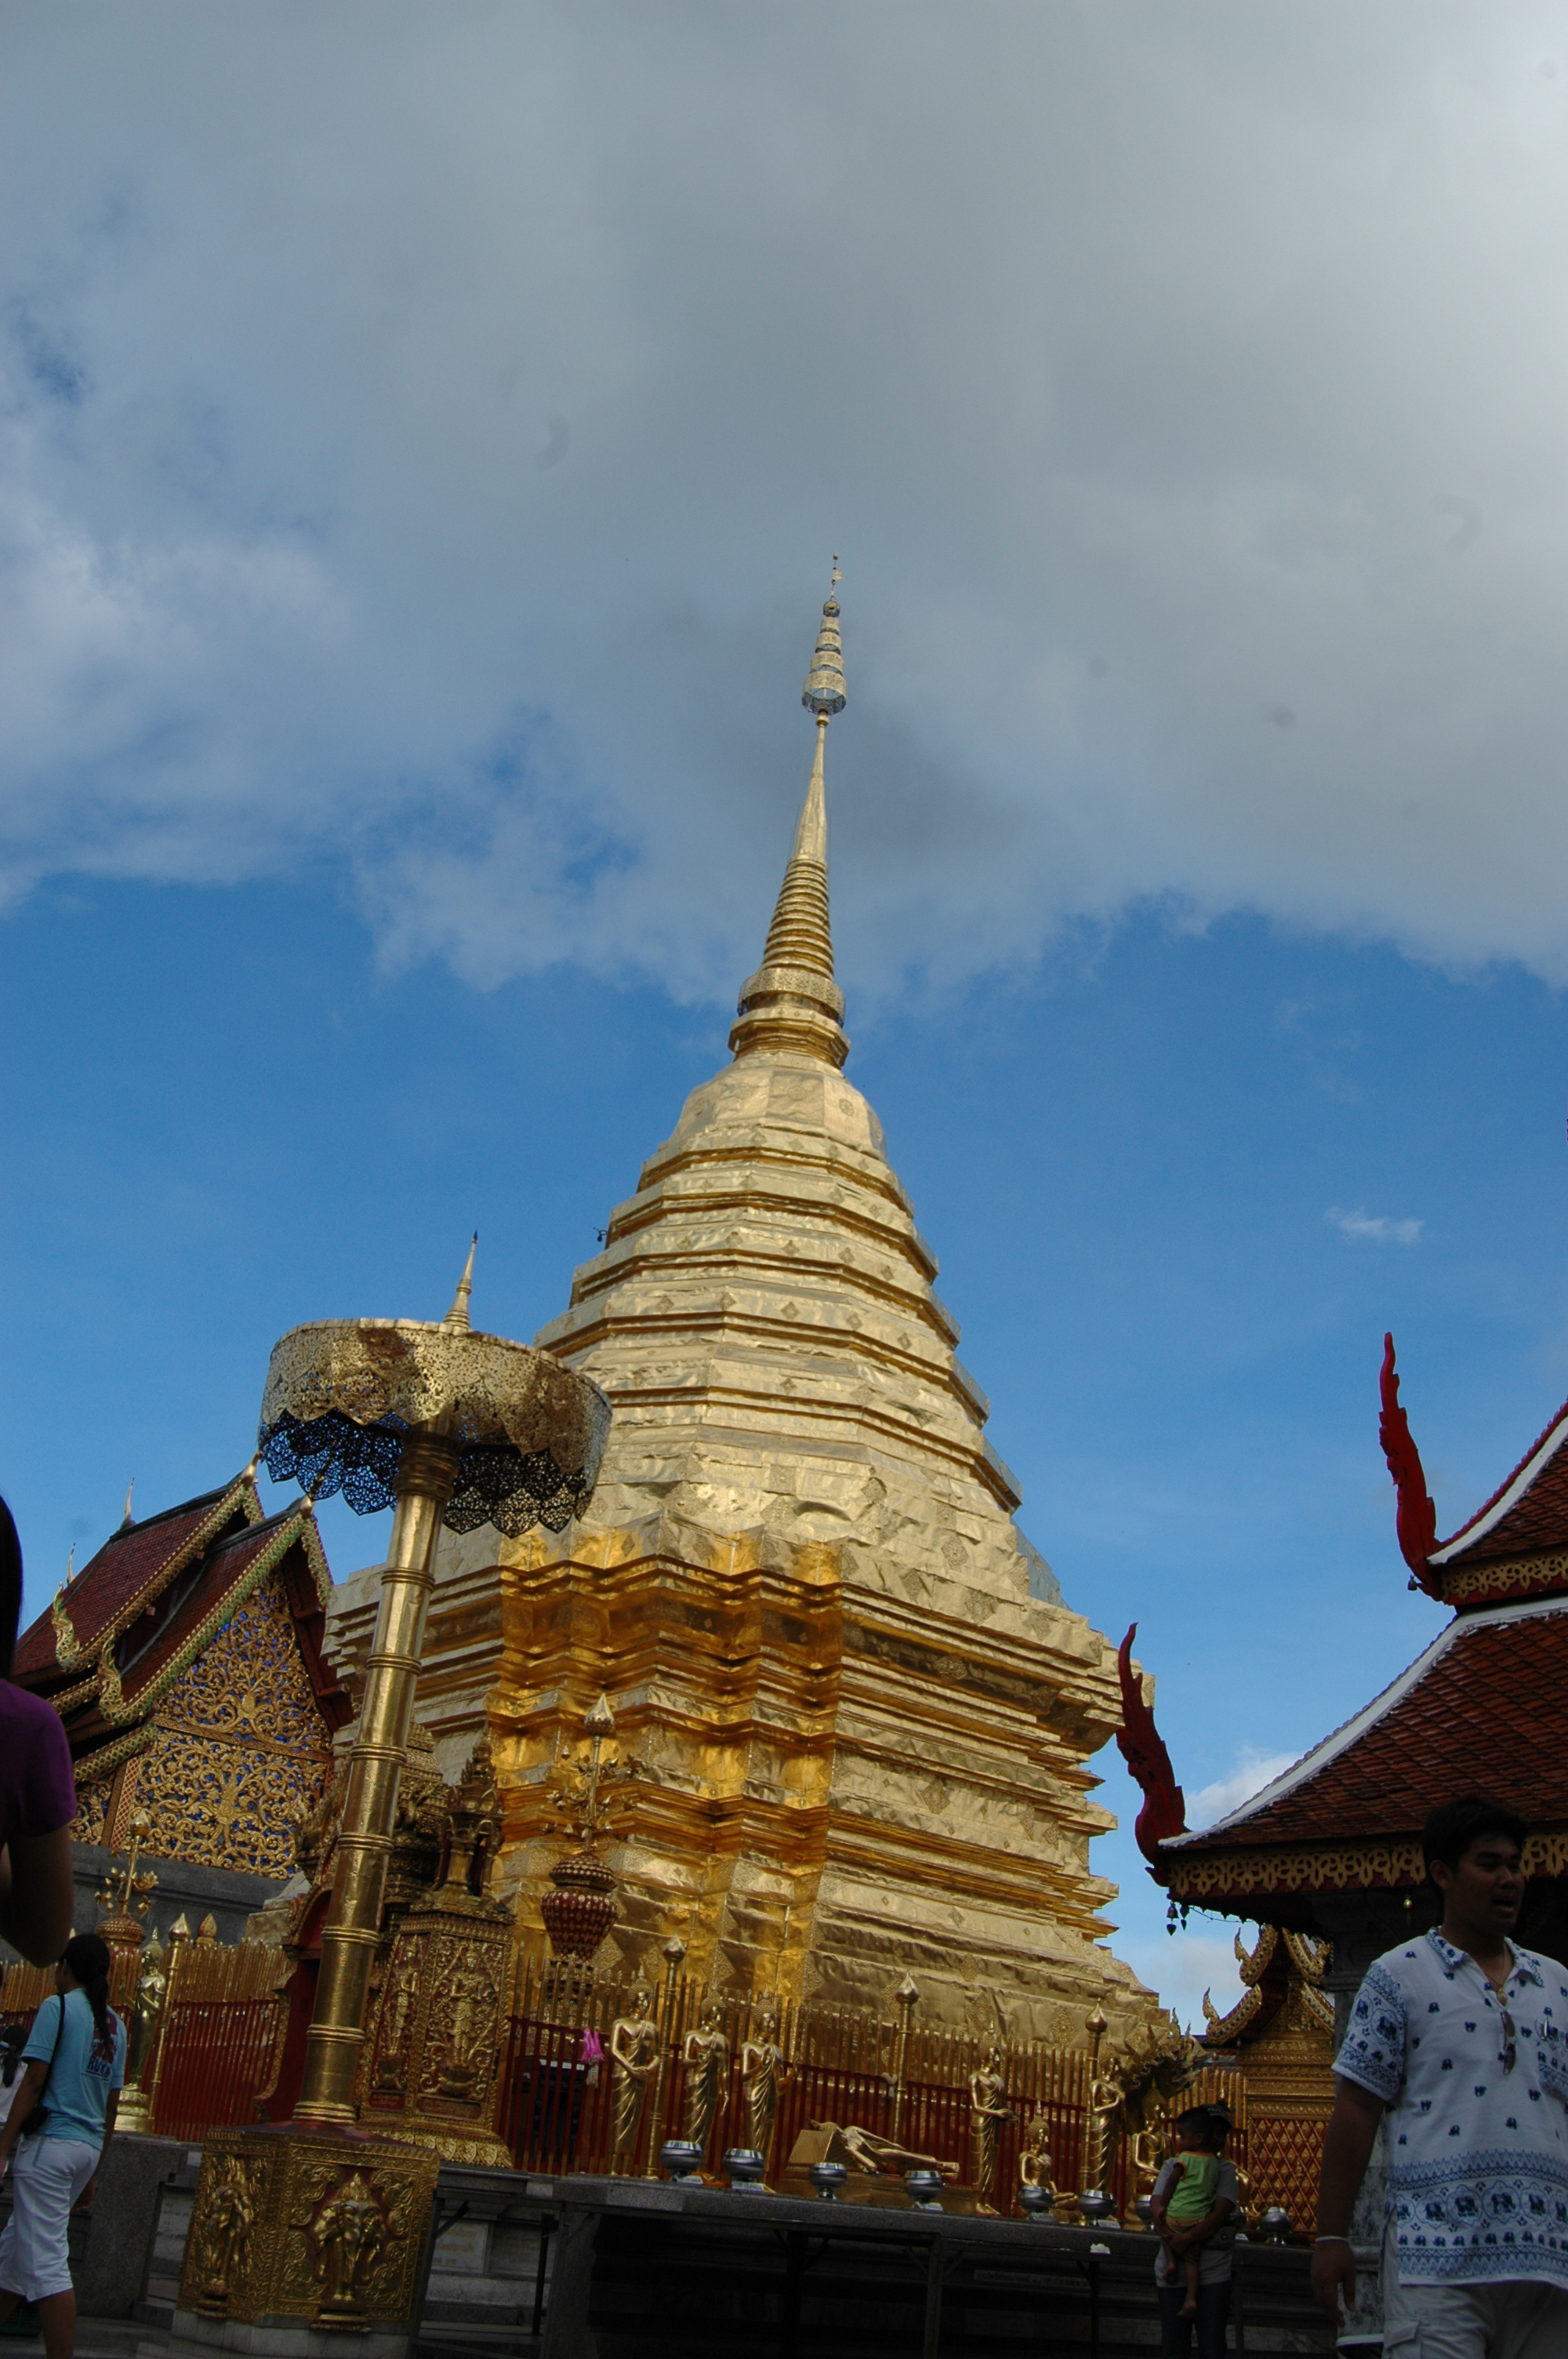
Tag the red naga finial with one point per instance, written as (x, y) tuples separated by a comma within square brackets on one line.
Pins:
[(1142, 1747), (1416, 1517)]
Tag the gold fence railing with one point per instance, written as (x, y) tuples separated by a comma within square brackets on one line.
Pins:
[(844, 2066), (214, 2044)]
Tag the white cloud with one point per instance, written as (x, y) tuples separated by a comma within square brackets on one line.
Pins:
[(1182, 1966), (1378, 1228), (1253, 1771), (427, 436)]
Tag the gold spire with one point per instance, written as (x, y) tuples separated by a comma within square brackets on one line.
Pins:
[(127, 1519), (791, 1002), (457, 1317)]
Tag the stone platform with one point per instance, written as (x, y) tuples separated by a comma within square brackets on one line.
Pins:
[(534, 2268), (604, 2268)]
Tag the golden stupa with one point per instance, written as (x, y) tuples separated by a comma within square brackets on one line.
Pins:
[(861, 1710)]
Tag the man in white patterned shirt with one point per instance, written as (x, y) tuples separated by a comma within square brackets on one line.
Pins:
[(1461, 2037)]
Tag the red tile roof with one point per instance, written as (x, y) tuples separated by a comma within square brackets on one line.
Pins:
[(133, 1561), (1482, 1707), (193, 1594), (1527, 1511), (191, 1566)]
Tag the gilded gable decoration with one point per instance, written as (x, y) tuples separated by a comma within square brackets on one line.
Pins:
[(186, 1663)]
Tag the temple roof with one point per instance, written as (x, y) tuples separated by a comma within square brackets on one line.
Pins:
[(133, 1565), (1481, 1707), (1281, 1992), (1525, 1513), (133, 1619)]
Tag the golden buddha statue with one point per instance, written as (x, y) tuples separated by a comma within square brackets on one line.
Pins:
[(635, 2055), (764, 2072), (706, 2055), (988, 2109)]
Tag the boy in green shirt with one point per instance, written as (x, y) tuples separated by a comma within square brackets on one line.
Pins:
[(1197, 2156)]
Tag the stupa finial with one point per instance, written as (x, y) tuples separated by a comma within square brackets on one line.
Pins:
[(791, 1002), (457, 1318), (824, 691)]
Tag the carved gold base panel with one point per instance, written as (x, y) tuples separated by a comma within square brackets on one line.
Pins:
[(307, 2229), (434, 2049)]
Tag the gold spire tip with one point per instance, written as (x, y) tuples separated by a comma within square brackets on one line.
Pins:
[(458, 1316), (127, 1519)]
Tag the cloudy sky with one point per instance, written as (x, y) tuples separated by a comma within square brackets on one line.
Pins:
[(424, 434)]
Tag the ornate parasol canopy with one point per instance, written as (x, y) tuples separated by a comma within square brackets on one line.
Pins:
[(343, 1395)]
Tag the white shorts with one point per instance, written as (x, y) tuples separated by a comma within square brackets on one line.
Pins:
[(1515, 2320), (48, 2174)]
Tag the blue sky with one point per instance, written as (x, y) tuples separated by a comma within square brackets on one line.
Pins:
[(422, 439)]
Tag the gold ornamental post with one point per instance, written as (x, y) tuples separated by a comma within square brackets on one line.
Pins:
[(908, 1997), (316, 2222), (426, 1479), (674, 1954)]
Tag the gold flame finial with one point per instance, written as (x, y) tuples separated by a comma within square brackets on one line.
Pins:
[(127, 1519), (457, 1318)]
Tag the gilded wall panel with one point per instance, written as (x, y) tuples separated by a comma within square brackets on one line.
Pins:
[(221, 1804)]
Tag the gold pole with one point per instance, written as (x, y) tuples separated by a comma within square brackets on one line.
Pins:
[(674, 1953), (907, 1993), (352, 1929)]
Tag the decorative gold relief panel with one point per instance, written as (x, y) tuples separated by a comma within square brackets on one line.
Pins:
[(91, 1809), (225, 1805), (315, 2229), (249, 1679)]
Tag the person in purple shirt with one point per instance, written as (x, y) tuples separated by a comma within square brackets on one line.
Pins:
[(37, 1793)]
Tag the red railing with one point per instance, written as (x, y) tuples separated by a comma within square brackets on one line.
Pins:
[(217, 2053)]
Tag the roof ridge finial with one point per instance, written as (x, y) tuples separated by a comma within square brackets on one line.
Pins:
[(457, 1318), (791, 1002), (127, 1519)]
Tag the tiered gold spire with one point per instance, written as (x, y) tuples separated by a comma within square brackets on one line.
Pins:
[(869, 1713), (791, 1002)]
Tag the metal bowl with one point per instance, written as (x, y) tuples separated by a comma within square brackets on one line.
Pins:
[(1097, 2208), (925, 2188), (1035, 2202), (747, 2170), (682, 2161), (1274, 2224), (827, 2177)]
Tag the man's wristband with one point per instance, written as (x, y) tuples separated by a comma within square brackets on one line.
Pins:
[(1333, 2240)]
